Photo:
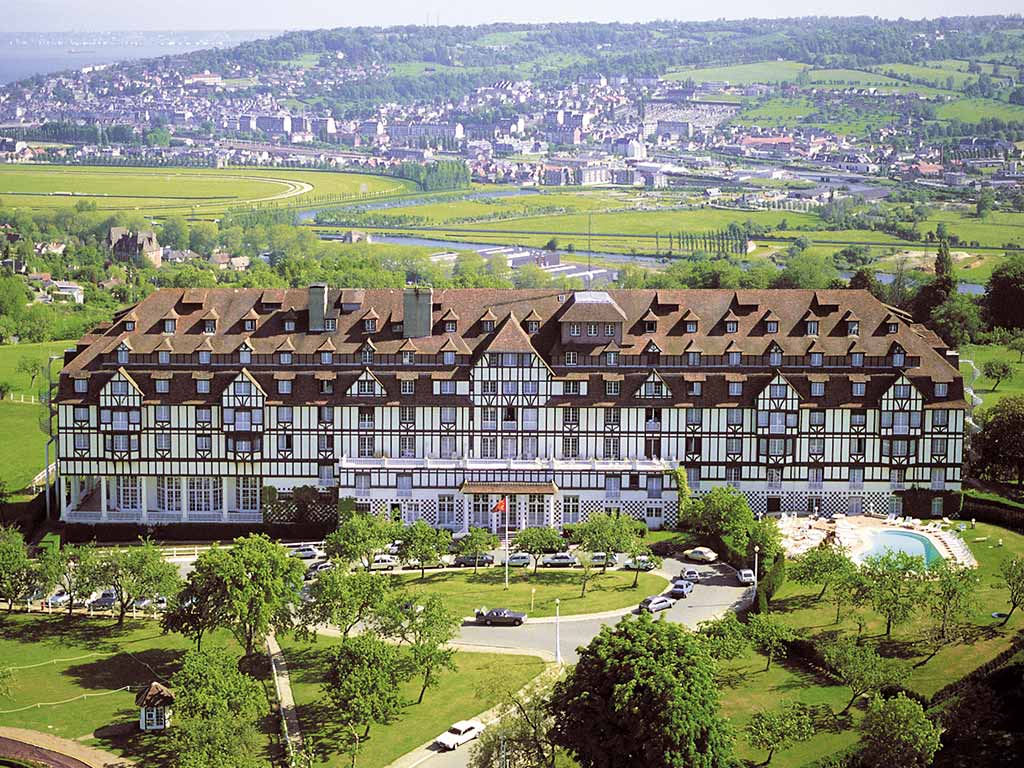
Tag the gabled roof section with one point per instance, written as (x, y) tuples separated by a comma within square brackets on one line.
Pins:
[(244, 374), (510, 337), (594, 307)]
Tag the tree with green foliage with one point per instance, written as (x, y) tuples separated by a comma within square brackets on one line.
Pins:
[(859, 668), (948, 593), (216, 708), (202, 237), (897, 732), (343, 599), (201, 604), (957, 319), (985, 203), (804, 269), (18, 573), (723, 512), (537, 541), (425, 625), (31, 366), (998, 371), (999, 444), (587, 571), (606, 533), (360, 536), (175, 233), (769, 635), (778, 729), (1017, 345), (766, 535), (1012, 572), (1004, 293), (826, 564), (637, 549), (520, 736), (726, 638), (476, 543), (137, 572), (362, 682), (262, 583), (75, 569), (894, 581), (423, 544), (657, 669)]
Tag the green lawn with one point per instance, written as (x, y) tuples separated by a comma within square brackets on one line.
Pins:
[(167, 191), (11, 354), (744, 74), (465, 592), (458, 696), (71, 656), (972, 110), (983, 386), (22, 446)]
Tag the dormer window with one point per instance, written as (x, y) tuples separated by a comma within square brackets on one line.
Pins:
[(487, 326), (775, 357), (129, 325), (367, 356), (331, 324), (731, 326), (812, 327), (892, 327), (532, 326), (574, 329), (857, 359), (591, 329), (81, 386), (244, 355), (852, 327), (899, 358), (284, 358), (941, 389), (817, 389), (408, 357), (289, 326), (169, 324), (691, 326), (734, 358), (448, 358), (326, 358), (326, 387), (122, 355), (570, 358), (650, 326), (693, 358), (249, 325), (817, 358), (284, 387), (611, 358), (163, 357), (450, 326), (370, 325), (771, 326), (203, 386), (209, 327), (205, 357), (609, 329)]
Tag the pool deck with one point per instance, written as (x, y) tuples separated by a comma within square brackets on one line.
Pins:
[(854, 534)]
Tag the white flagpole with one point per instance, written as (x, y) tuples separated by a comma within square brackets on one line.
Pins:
[(506, 542)]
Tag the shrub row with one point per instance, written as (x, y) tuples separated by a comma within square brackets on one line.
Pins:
[(80, 533), (992, 511)]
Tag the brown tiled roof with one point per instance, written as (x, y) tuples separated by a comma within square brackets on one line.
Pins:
[(154, 695)]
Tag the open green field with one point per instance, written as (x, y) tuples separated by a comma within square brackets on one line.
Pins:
[(465, 591), (164, 191), (973, 110), (981, 354), (56, 657), (743, 74), (937, 77), (459, 695)]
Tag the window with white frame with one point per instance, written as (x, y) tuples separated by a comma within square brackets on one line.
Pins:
[(735, 388), (529, 447), (941, 389), (774, 476), (857, 359), (570, 358), (856, 478), (285, 442), (363, 483), (408, 387), (81, 441), (938, 447), (693, 477), (574, 329), (404, 484), (205, 494), (775, 357), (204, 442), (531, 387), (570, 447), (364, 387), (481, 511), (734, 417), (570, 509), (938, 479), (937, 506), (612, 448), (509, 447), (365, 446), (448, 447), (248, 494), (694, 417), (489, 447), (284, 386), (734, 475), (407, 446), (168, 494), (734, 445), (446, 511), (611, 358), (163, 386), (119, 387), (447, 388), (203, 386), (655, 484), (855, 505), (163, 441), (817, 389), (284, 414), (325, 475), (815, 478), (858, 419), (81, 386), (940, 418), (163, 357), (448, 358), (571, 388)]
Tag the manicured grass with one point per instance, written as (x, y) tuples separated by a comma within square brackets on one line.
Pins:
[(744, 74), (11, 355), (983, 386), (22, 446), (466, 591), (71, 656), (459, 695), (167, 191)]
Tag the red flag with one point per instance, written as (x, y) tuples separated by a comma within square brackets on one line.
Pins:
[(501, 506)]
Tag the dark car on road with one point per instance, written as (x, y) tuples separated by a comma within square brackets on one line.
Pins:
[(500, 616), (470, 560), (104, 602)]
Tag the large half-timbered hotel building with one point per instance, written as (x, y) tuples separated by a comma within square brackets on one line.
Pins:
[(435, 403)]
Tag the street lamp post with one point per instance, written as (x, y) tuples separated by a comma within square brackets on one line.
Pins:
[(757, 549), (558, 635)]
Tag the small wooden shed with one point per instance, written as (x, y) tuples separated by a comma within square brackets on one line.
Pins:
[(154, 704)]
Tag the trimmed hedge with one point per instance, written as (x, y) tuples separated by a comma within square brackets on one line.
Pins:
[(80, 533), (991, 511), (917, 502), (971, 677)]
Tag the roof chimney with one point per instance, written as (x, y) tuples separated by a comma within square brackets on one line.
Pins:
[(317, 306), (417, 312)]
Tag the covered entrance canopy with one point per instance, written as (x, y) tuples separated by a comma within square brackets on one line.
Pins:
[(505, 507), (508, 489)]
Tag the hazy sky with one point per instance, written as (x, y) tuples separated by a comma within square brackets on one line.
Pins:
[(91, 15)]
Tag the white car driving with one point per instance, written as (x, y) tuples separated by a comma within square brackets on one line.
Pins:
[(745, 576), (460, 733)]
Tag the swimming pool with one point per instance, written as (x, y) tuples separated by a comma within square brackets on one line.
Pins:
[(883, 540)]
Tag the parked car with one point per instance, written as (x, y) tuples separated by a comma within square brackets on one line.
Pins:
[(307, 552), (462, 732), (642, 563), (701, 555), (105, 602), (142, 603), (519, 560), (601, 559), (560, 560), (383, 563), (690, 574), (745, 576), (656, 603), (680, 588), (484, 559), (395, 547), (501, 616), (57, 600), (317, 568)]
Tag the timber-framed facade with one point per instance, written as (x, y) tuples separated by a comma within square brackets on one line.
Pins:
[(433, 404)]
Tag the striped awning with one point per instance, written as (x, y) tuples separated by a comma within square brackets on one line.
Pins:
[(510, 489)]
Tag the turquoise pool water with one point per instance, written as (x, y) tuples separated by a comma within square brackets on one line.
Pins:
[(901, 541)]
